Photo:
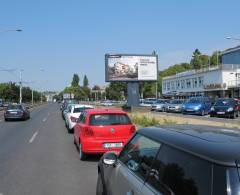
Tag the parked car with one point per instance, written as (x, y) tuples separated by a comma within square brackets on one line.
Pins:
[(174, 106), (66, 110), (107, 103), (226, 107), (73, 114), (179, 159), (197, 105), (102, 130), (160, 105), (16, 111), (147, 103)]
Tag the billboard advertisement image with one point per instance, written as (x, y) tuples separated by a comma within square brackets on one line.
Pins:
[(122, 67)]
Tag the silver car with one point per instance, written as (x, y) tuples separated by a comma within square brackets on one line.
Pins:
[(174, 106), (160, 105)]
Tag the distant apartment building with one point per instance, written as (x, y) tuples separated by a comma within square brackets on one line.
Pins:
[(218, 81), (121, 68)]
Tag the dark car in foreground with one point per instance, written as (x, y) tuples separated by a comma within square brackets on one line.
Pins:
[(16, 111), (178, 159), (225, 107)]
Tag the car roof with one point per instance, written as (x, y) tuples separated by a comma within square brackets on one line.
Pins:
[(216, 144), (105, 111)]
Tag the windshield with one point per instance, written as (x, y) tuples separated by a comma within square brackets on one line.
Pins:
[(80, 109), (224, 102), (109, 119), (14, 107), (195, 100), (176, 101)]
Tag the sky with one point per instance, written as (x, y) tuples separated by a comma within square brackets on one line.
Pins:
[(63, 37)]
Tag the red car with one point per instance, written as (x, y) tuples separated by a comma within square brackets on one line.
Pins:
[(102, 130)]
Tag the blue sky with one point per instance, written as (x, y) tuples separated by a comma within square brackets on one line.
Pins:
[(71, 36)]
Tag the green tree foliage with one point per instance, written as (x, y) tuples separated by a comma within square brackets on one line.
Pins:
[(85, 81), (75, 80), (147, 89), (205, 60), (196, 60), (215, 58), (116, 91), (10, 92)]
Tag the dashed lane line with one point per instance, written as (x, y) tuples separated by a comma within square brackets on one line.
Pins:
[(33, 137)]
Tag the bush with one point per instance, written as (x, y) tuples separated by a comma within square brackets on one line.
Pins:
[(145, 121)]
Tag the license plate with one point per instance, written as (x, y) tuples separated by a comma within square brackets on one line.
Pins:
[(13, 112), (220, 112), (189, 110), (113, 145)]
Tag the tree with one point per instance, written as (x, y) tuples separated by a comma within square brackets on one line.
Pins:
[(75, 80), (205, 59), (196, 61), (85, 81), (116, 91), (96, 87), (215, 58)]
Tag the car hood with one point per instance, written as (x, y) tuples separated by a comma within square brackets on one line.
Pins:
[(222, 107)]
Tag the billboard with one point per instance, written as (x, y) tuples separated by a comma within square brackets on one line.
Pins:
[(126, 67)]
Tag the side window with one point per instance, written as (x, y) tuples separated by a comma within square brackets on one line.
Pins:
[(139, 155), (82, 118), (177, 172)]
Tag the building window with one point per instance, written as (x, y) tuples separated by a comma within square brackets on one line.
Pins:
[(168, 86), (200, 81), (172, 85), (188, 83), (194, 82), (182, 84), (178, 84)]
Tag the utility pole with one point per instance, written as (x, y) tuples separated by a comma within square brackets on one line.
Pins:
[(20, 87), (32, 96)]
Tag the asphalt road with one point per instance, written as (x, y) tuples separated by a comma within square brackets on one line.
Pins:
[(38, 157)]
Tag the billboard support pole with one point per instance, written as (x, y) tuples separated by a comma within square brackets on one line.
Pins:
[(133, 93)]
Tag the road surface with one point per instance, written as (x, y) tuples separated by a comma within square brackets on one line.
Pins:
[(38, 157)]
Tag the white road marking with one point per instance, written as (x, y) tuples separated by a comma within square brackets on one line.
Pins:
[(32, 138), (44, 119)]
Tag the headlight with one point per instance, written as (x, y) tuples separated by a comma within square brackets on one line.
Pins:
[(198, 107), (230, 109), (212, 109)]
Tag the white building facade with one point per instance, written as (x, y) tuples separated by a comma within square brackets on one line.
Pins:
[(219, 81)]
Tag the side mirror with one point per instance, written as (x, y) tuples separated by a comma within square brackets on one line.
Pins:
[(110, 159)]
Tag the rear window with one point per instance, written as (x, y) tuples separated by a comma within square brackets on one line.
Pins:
[(109, 119), (81, 109), (14, 107)]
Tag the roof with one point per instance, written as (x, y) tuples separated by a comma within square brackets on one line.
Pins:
[(105, 111), (216, 144), (230, 50)]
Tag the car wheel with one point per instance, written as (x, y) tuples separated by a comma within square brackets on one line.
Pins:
[(70, 131), (233, 115), (100, 189), (82, 155), (211, 115), (6, 119)]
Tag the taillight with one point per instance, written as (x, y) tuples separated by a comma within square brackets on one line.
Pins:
[(73, 119), (132, 129), (87, 132)]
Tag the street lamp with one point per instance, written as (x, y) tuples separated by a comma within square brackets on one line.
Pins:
[(42, 70), (10, 30), (232, 38)]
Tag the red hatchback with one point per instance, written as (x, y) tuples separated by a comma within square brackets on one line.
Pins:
[(102, 130)]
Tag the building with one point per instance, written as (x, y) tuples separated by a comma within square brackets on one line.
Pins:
[(219, 81), (231, 56)]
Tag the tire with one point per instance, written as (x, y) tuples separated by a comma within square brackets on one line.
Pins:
[(211, 115), (233, 116), (70, 131), (6, 119), (100, 188), (82, 155)]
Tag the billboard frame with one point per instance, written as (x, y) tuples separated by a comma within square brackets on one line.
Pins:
[(135, 80)]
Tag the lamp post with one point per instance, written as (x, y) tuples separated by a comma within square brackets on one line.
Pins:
[(11, 30), (42, 70)]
